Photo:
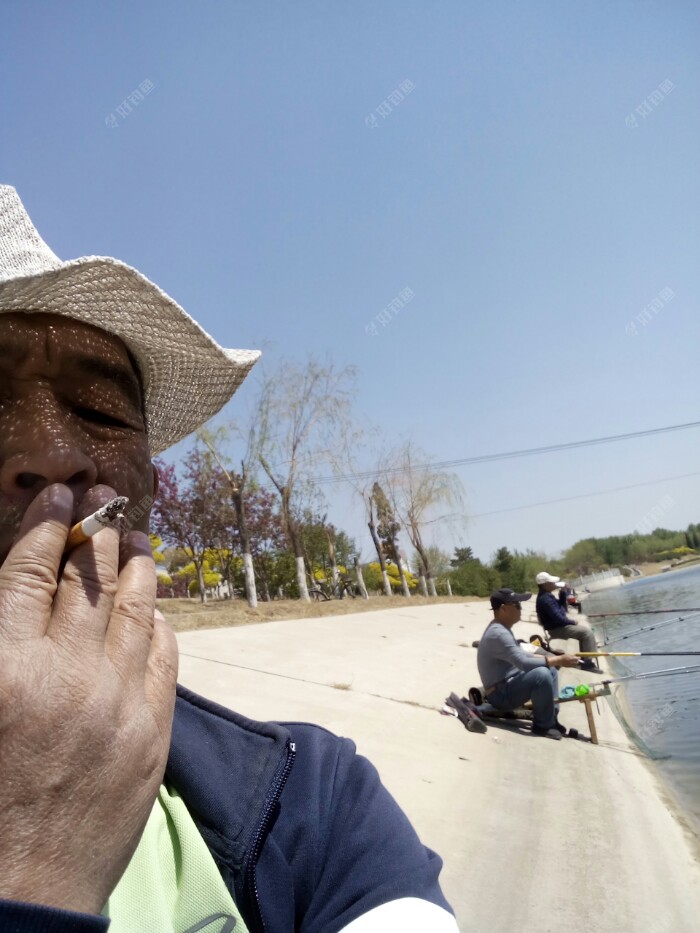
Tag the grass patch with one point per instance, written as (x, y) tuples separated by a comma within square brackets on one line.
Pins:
[(186, 614)]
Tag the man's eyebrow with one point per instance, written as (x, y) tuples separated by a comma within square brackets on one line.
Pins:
[(121, 376)]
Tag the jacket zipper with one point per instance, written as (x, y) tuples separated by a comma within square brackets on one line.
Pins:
[(272, 798)]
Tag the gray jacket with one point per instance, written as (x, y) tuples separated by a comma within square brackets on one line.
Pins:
[(500, 656)]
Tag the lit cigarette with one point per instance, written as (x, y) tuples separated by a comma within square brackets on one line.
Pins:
[(102, 518)]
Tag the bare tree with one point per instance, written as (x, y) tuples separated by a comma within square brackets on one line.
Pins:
[(388, 529), (329, 532), (360, 579), (237, 482), (379, 548), (302, 412), (344, 460), (416, 489)]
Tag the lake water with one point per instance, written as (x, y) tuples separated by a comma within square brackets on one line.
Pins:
[(663, 713)]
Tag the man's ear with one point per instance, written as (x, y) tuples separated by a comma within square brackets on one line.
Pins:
[(156, 481)]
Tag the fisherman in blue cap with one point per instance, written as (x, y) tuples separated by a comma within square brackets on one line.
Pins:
[(511, 676)]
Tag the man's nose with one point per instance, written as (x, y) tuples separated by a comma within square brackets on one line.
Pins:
[(46, 453), (31, 472)]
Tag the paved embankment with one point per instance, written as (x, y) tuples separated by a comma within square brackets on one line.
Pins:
[(536, 835)]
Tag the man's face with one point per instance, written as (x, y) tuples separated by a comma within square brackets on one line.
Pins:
[(550, 587), (509, 613), (70, 412)]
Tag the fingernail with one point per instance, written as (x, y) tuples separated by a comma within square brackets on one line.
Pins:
[(60, 495)]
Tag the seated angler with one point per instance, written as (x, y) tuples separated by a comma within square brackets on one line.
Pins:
[(555, 621), (511, 676)]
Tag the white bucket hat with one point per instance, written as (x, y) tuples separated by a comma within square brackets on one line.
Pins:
[(187, 377)]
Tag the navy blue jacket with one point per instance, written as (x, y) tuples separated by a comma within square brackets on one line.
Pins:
[(550, 614), (304, 834)]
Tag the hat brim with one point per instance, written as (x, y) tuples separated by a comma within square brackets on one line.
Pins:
[(511, 599), (520, 598), (187, 377)]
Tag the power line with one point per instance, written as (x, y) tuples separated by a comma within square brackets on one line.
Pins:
[(585, 495), (509, 455)]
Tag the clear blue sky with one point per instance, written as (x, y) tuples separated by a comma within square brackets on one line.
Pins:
[(507, 190)]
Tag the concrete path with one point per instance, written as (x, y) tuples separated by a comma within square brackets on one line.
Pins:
[(536, 835)]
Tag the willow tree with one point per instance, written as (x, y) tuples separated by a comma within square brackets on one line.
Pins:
[(388, 529), (357, 445), (302, 414), (418, 488)]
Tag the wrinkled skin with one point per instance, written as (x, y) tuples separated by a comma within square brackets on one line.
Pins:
[(87, 666)]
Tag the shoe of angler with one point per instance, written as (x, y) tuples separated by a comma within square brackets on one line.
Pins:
[(552, 733), (558, 726)]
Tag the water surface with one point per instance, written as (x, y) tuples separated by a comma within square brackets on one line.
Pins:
[(663, 712)]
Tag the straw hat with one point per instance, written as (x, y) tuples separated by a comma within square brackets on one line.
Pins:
[(187, 377)]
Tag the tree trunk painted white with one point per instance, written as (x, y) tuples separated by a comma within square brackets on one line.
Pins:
[(361, 581), (280, 593), (335, 573), (301, 580), (404, 582), (449, 588), (249, 578), (422, 584), (200, 581), (387, 585), (431, 587), (380, 553)]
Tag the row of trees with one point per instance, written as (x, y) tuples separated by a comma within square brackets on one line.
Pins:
[(467, 575), (261, 522), (197, 517), (661, 544)]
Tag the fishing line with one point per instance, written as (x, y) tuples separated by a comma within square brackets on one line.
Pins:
[(635, 612), (636, 654), (648, 628), (641, 675)]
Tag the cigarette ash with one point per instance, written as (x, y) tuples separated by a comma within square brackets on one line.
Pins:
[(115, 508)]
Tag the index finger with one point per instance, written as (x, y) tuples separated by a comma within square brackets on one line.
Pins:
[(29, 575), (88, 581)]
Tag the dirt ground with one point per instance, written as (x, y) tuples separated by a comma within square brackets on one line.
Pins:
[(185, 615)]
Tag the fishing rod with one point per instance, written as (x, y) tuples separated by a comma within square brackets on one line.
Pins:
[(635, 612), (636, 654), (693, 669), (648, 628), (593, 691)]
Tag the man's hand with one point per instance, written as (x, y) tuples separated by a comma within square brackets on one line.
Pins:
[(87, 692), (564, 660)]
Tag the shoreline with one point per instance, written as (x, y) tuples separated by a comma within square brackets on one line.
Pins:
[(381, 677), (665, 787)]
